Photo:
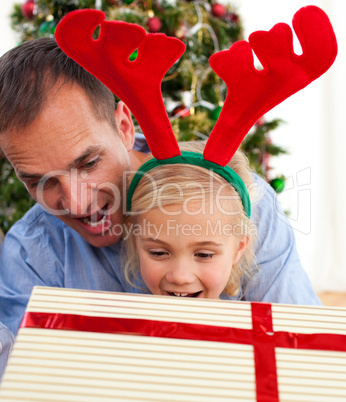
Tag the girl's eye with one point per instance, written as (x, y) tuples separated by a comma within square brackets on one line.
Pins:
[(204, 256), (158, 253)]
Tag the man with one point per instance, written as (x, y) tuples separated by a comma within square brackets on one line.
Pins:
[(72, 149)]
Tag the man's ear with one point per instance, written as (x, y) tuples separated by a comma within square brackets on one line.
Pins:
[(241, 248), (125, 126)]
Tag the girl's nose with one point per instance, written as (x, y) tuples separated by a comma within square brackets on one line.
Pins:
[(180, 272)]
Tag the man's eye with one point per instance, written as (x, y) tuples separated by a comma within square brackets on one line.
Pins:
[(204, 256), (91, 164), (45, 184), (33, 185)]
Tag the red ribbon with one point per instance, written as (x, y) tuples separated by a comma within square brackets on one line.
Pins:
[(262, 337), (264, 353)]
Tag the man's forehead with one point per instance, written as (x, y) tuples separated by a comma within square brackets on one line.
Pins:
[(3, 142), (68, 164)]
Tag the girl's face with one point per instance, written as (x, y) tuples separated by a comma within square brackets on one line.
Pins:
[(186, 253)]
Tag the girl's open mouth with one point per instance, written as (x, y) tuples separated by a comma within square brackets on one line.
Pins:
[(177, 294)]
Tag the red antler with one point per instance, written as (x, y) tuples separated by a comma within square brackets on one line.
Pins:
[(252, 93), (137, 83)]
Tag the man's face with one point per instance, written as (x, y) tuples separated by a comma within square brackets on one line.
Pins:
[(72, 163)]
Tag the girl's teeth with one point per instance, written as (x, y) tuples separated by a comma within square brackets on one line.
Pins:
[(180, 294)]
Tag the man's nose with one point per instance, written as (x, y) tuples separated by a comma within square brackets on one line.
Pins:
[(75, 195), (180, 272)]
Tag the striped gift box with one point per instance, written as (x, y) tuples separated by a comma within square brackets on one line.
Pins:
[(76, 345)]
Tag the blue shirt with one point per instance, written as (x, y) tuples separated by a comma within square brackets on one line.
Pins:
[(41, 250)]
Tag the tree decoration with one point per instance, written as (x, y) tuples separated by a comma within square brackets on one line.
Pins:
[(154, 24), (278, 184), (98, 4), (231, 17), (47, 27), (215, 113), (28, 9), (181, 111), (182, 31), (259, 147), (218, 10)]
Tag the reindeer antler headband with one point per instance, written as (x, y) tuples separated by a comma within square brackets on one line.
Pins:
[(251, 93)]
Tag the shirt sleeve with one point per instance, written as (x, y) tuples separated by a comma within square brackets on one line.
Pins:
[(24, 263), (6, 343), (278, 276)]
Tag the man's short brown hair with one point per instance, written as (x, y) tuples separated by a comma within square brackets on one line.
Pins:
[(29, 72)]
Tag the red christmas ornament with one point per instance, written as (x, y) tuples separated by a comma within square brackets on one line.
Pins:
[(232, 17), (218, 10), (28, 9), (181, 110), (154, 24)]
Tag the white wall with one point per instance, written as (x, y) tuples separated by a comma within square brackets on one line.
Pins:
[(8, 38), (313, 134)]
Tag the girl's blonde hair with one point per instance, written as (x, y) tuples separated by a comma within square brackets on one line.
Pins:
[(173, 184)]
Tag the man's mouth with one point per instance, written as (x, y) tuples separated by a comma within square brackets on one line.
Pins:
[(178, 294), (96, 219)]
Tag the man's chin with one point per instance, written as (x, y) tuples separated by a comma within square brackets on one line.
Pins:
[(95, 237), (103, 240)]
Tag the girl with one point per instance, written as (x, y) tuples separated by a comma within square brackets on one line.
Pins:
[(188, 233)]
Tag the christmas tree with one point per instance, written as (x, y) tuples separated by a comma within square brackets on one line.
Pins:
[(193, 94)]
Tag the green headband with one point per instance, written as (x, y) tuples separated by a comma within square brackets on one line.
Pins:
[(193, 158)]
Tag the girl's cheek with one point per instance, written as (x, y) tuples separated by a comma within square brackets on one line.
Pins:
[(149, 272)]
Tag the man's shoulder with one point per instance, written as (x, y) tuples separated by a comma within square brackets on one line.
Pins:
[(42, 243), (37, 235), (35, 219), (141, 143), (264, 189), (271, 221), (265, 201), (39, 230)]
